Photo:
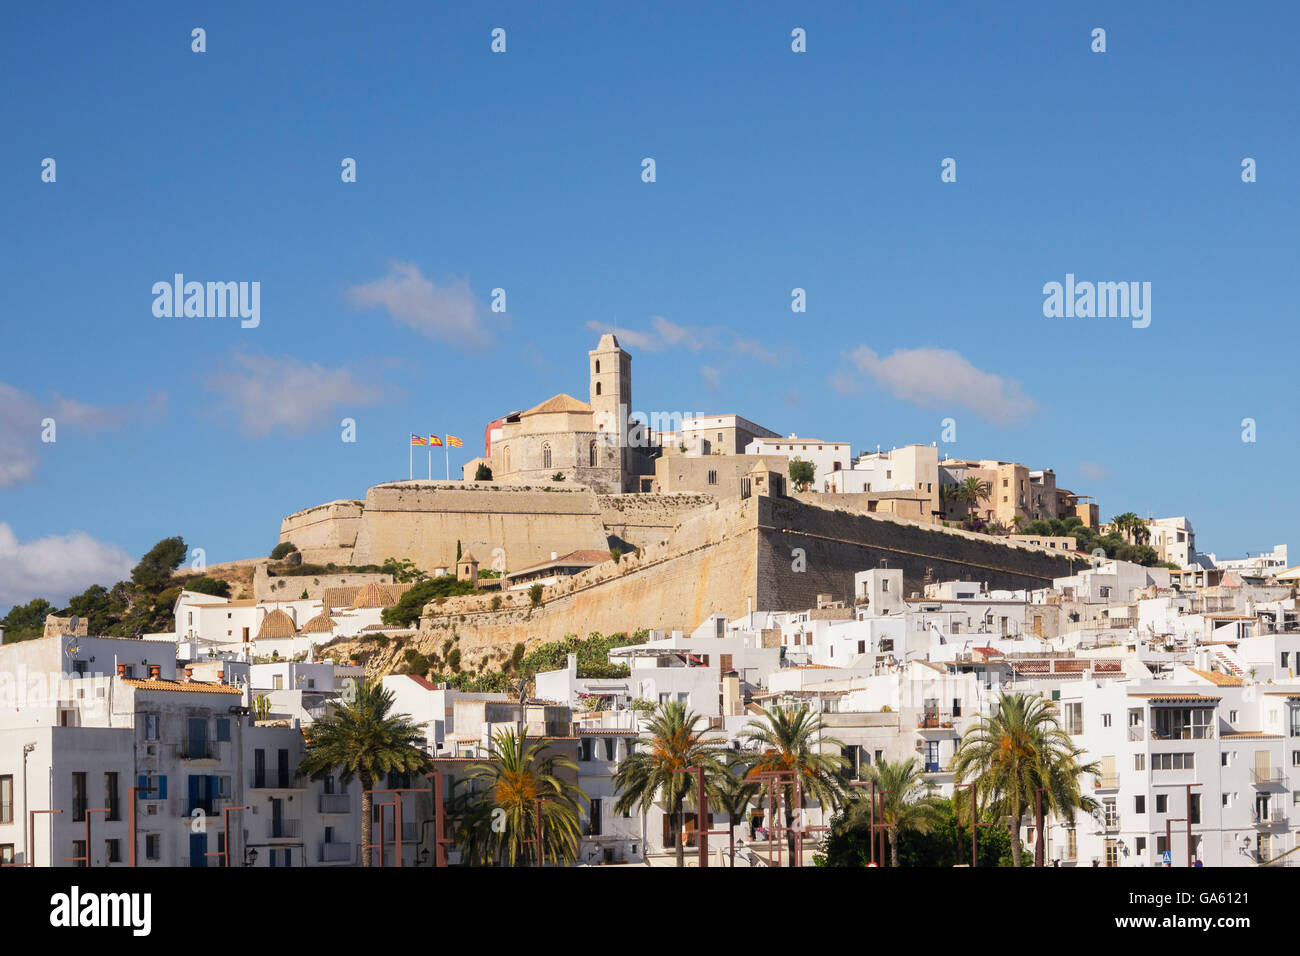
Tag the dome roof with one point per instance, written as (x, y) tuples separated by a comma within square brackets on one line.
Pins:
[(276, 624), (372, 595), (320, 624)]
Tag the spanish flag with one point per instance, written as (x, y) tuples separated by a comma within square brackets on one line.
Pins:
[(453, 441), (434, 440), (418, 440)]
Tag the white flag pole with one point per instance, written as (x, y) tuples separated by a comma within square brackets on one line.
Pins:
[(410, 460), (429, 449), (446, 451)]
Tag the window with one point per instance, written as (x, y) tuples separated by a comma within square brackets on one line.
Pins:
[(1139, 761), (1162, 803), (546, 455), (1111, 811), (112, 851), (110, 797), (1140, 846), (1195, 809), (1105, 720), (1140, 803), (79, 799), (1071, 844), (609, 748), (1178, 761), (1074, 717), (595, 817), (713, 477), (223, 729), (7, 799), (6, 852), (1112, 853), (151, 722), (1295, 758), (79, 852), (1184, 723), (584, 747), (592, 457), (1232, 716)]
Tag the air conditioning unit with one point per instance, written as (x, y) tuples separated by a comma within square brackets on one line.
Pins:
[(151, 750), (151, 809)]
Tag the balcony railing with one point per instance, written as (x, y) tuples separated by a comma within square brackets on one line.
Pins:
[(336, 853), (1137, 733), (1266, 776), (274, 780), (335, 803), (1270, 818), (196, 750), (1108, 781), (934, 720), (285, 829)]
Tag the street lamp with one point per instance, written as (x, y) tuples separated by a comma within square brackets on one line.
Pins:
[(250, 857)]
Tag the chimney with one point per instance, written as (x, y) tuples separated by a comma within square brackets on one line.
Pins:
[(554, 555), (189, 674), (155, 672), (221, 676), (121, 670)]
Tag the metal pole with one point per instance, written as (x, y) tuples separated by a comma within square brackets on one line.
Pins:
[(1190, 861)]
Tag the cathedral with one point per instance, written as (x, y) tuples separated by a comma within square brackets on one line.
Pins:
[(592, 443)]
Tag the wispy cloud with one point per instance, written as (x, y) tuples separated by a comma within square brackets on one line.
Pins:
[(1093, 471), (21, 415), (270, 394), (943, 378), (56, 567), (448, 312), (712, 377), (664, 335)]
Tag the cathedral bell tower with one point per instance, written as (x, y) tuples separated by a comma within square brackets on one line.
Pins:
[(611, 398)]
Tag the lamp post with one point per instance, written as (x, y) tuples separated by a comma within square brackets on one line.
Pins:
[(225, 853), (130, 824), (397, 824), (87, 858), (31, 828), (701, 814), (974, 823)]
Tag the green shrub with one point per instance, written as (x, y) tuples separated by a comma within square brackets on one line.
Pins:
[(281, 549)]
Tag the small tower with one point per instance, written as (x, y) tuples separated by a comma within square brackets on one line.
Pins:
[(467, 569), (611, 396)]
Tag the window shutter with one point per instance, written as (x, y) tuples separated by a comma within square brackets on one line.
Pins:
[(162, 787)]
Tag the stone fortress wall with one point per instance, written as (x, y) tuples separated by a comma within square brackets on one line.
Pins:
[(724, 559)]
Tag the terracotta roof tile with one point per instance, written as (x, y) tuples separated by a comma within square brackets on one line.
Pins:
[(185, 686)]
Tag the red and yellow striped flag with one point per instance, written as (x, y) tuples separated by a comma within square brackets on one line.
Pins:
[(418, 440), (453, 441), (435, 440)]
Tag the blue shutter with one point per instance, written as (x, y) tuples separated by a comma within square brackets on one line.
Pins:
[(194, 793), (198, 849), (214, 791), (142, 782), (162, 787)]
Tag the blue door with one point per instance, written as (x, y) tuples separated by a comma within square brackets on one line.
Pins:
[(198, 849)]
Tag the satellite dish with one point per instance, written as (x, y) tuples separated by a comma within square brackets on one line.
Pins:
[(72, 624)]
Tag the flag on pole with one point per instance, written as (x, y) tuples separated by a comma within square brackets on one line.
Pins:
[(433, 440), (453, 441), (418, 440)]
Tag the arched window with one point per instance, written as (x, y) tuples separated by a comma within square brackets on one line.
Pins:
[(546, 455), (593, 457), (598, 386), (597, 366)]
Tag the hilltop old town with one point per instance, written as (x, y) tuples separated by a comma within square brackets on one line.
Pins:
[(682, 641)]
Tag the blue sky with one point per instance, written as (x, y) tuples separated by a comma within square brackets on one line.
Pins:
[(522, 171)]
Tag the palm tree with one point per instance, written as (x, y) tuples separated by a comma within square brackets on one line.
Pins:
[(971, 490), (1131, 527), (732, 793), (1012, 752), (500, 819), (649, 774), (791, 740), (361, 739), (907, 801)]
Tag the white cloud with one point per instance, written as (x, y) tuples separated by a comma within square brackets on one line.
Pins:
[(1093, 471), (712, 378), (448, 312), (942, 378), (285, 393), (21, 415), (57, 567), (664, 335)]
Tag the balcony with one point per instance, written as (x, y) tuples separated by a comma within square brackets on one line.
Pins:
[(284, 829), (335, 803), (1268, 776), (1269, 818), (335, 853), (934, 721), (196, 750), (1137, 733), (275, 780), (1108, 781)]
